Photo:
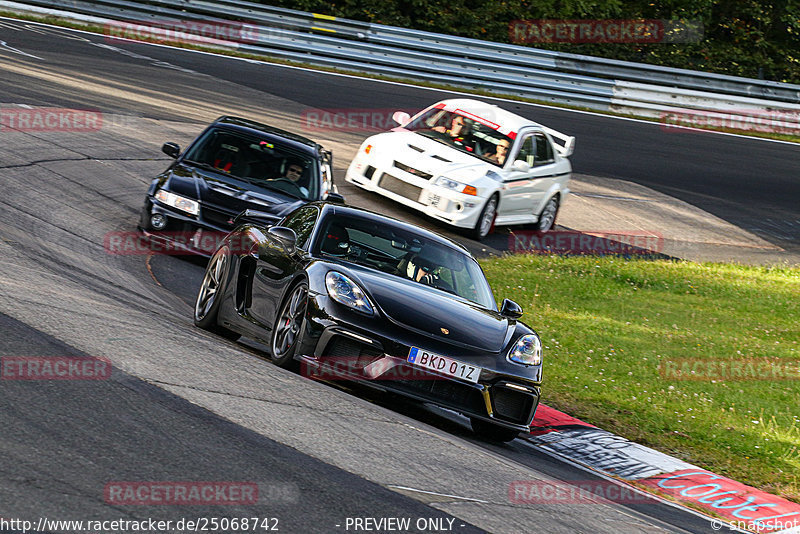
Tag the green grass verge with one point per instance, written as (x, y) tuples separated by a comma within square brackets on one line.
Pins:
[(608, 324), (66, 23)]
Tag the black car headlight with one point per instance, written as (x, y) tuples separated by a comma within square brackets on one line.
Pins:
[(344, 291), (527, 350), (178, 202)]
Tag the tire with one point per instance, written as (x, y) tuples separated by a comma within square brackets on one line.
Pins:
[(493, 432), (287, 331), (485, 223), (547, 218), (206, 307)]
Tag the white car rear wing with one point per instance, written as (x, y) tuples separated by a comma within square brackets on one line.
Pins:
[(567, 148)]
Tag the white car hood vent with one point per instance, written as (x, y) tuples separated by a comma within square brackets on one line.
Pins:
[(442, 159), (418, 149)]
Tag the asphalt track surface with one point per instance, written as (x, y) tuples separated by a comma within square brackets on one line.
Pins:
[(185, 405)]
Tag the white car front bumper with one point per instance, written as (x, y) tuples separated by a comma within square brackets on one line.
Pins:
[(454, 208)]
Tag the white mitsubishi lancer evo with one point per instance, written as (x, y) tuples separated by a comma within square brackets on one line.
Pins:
[(470, 164)]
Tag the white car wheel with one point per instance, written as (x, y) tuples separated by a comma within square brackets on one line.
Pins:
[(486, 220), (547, 217)]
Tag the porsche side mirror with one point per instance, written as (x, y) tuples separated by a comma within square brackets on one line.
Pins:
[(284, 236), (521, 166), (511, 309), (335, 197), (171, 149), (401, 117)]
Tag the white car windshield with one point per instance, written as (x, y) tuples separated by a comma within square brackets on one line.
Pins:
[(470, 135)]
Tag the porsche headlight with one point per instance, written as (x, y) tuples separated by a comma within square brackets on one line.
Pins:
[(345, 291), (453, 185), (527, 350), (178, 202)]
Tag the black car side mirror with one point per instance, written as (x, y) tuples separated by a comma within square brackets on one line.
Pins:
[(284, 236), (511, 309), (335, 197), (171, 149)]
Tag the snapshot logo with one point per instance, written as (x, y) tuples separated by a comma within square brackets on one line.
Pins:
[(574, 492), (217, 33), (54, 368), (364, 368), (604, 31), (350, 119), (571, 242), (174, 243), (764, 121), (181, 493), (50, 120), (733, 369)]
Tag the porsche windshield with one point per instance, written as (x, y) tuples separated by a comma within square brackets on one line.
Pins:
[(475, 137), (259, 161), (405, 254)]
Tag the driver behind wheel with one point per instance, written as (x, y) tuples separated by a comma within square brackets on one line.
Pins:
[(294, 172)]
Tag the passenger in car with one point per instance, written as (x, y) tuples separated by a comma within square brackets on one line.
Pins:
[(501, 152)]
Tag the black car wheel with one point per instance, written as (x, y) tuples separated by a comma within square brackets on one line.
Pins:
[(485, 223), (547, 218), (492, 432), (206, 308), (286, 333)]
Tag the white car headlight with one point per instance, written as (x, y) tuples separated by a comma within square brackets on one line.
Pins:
[(178, 202), (527, 350), (453, 185), (345, 291)]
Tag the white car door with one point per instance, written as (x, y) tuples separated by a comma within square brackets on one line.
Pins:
[(529, 176)]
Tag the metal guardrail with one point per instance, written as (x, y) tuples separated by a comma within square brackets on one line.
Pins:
[(596, 83)]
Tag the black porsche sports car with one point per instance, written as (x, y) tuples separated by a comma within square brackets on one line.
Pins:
[(347, 293), (234, 165)]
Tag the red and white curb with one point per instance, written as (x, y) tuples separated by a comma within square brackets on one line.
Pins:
[(743, 506)]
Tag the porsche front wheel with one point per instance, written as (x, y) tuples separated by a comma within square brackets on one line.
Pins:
[(286, 334)]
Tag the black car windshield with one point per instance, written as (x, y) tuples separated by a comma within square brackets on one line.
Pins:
[(469, 134), (262, 162), (403, 253)]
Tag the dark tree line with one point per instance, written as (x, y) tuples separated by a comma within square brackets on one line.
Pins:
[(753, 38)]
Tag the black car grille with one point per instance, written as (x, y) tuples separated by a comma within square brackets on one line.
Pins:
[(218, 217), (511, 405), (344, 348), (404, 189), (446, 391), (412, 170)]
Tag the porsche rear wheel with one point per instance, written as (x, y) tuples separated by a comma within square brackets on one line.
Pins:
[(206, 307), (492, 432), (286, 334)]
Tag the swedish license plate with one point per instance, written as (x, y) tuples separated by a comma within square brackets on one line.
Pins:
[(443, 364)]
